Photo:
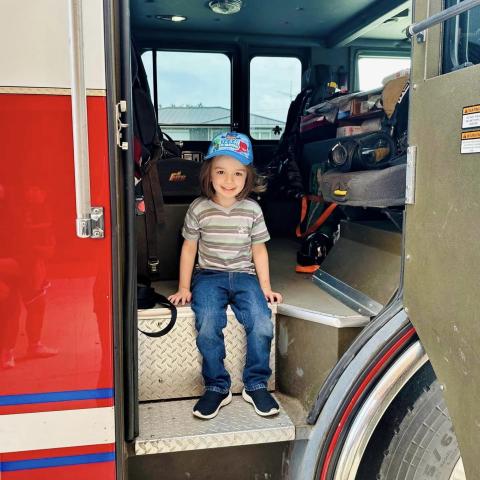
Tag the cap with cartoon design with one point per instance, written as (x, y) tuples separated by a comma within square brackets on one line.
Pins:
[(233, 144)]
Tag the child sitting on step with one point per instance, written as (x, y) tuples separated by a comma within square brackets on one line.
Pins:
[(229, 232)]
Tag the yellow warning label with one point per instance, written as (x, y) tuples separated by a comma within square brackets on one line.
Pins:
[(471, 135), (471, 109)]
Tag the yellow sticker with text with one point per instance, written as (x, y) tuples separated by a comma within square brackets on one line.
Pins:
[(471, 116), (471, 135), (470, 142), (471, 109)]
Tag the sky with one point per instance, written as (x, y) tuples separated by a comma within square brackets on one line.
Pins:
[(192, 78)]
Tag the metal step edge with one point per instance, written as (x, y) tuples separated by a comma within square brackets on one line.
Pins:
[(336, 321), (163, 313), (348, 295), (167, 427)]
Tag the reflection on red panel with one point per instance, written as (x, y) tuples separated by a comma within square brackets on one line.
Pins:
[(55, 289)]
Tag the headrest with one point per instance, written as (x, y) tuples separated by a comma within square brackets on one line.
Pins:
[(317, 75), (308, 78)]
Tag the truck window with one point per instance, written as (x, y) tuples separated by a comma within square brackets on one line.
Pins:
[(461, 41), (147, 59), (274, 83), (371, 70), (193, 92)]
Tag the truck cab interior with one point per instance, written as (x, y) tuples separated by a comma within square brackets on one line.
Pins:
[(321, 88)]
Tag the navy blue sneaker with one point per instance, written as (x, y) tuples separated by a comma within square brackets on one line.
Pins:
[(262, 401), (210, 404)]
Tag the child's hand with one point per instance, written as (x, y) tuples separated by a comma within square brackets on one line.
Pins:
[(183, 296), (273, 297)]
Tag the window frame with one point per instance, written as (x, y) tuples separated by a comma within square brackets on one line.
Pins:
[(448, 35), (267, 52), (373, 53), (229, 53)]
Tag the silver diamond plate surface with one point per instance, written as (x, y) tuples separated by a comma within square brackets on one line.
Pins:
[(170, 427), (170, 366)]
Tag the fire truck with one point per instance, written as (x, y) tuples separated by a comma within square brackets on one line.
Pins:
[(375, 358)]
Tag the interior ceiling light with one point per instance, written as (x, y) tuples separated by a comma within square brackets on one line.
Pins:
[(225, 7), (171, 18)]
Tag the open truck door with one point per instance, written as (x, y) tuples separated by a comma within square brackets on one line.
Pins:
[(442, 229)]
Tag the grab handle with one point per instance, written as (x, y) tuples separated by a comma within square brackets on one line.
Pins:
[(87, 225), (444, 15)]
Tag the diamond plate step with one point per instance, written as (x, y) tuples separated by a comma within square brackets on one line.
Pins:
[(170, 427), (170, 367)]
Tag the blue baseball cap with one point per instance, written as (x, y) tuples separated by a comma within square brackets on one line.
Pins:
[(233, 144)]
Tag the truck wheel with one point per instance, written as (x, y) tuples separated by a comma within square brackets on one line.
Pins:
[(424, 445)]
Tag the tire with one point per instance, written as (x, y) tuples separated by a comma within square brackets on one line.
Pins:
[(424, 446)]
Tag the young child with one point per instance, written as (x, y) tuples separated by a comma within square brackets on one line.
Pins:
[(229, 230)]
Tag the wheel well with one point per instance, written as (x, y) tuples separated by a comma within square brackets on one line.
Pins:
[(388, 425)]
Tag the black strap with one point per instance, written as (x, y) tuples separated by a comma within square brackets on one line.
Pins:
[(154, 215), (152, 185), (148, 298)]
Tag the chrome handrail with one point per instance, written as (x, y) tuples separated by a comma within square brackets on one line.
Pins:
[(440, 17), (79, 121)]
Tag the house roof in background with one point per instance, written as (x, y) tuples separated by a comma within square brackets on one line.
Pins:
[(207, 115)]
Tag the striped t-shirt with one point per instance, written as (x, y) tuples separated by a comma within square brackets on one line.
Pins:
[(225, 235)]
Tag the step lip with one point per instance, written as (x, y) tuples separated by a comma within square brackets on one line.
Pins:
[(236, 424), (337, 321), (183, 311)]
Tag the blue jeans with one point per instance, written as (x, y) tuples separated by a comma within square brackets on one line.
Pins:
[(212, 291)]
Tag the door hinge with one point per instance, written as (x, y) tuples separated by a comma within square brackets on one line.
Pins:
[(121, 107), (411, 165)]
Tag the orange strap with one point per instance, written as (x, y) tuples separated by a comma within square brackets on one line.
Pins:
[(306, 268), (319, 222)]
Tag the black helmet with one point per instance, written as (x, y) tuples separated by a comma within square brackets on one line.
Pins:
[(313, 251)]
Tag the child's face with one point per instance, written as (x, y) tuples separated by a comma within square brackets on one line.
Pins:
[(228, 176)]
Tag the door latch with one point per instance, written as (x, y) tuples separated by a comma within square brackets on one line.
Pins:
[(121, 107)]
